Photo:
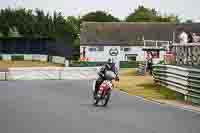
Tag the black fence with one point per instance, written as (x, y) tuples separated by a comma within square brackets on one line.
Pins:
[(46, 46)]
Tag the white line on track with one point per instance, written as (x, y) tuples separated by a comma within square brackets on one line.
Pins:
[(162, 104)]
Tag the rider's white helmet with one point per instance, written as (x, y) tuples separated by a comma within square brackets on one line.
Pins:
[(109, 75)]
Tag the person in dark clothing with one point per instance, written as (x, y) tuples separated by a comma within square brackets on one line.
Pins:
[(150, 63), (109, 66), (190, 37)]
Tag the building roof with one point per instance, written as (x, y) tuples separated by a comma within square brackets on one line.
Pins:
[(124, 33), (190, 27)]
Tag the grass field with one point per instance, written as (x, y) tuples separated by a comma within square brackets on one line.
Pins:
[(143, 86), (8, 64)]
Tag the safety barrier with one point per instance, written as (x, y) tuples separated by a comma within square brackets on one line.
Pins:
[(2, 75), (49, 73), (33, 57), (184, 80)]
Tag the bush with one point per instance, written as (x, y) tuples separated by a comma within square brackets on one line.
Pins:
[(1, 58)]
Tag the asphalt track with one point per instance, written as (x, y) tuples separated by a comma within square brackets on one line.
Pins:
[(65, 107)]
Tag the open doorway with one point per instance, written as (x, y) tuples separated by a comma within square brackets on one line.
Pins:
[(131, 57)]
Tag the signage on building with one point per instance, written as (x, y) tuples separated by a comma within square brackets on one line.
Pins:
[(113, 51)]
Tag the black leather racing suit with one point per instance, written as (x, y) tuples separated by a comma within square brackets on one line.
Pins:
[(103, 70)]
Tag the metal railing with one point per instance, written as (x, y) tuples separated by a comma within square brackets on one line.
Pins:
[(183, 80), (156, 43), (49, 73)]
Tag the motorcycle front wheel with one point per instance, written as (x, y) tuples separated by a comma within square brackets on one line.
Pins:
[(106, 99), (96, 100)]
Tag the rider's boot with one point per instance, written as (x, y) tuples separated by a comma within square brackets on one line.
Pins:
[(95, 90)]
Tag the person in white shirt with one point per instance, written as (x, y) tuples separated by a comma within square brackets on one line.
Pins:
[(183, 37)]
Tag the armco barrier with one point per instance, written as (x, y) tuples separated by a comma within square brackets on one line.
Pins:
[(2, 75), (180, 79), (59, 60), (6, 57), (79, 73), (34, 73), (28, 57), (43, 58), (33, 57), (49, 73), (36, 57)]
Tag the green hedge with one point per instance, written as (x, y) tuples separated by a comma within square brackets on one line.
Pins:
[(86, 64), (123, 64), (1, 58), (127, 64), (17, 57)]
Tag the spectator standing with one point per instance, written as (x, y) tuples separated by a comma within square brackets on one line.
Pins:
[(183, 37), (149, 62)]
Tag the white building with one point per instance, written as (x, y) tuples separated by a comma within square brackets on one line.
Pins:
[(123, 41)]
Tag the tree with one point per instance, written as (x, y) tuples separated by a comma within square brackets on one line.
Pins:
[(99, 16), (189, 21), (142, 14), (74, 26), (4, 19), (35, 23), (24, 21), (75, 29)]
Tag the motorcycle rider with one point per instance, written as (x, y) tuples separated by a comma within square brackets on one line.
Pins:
[(109, 66)]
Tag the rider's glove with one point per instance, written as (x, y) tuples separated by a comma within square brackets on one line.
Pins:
[(117, 79), (101, 74)]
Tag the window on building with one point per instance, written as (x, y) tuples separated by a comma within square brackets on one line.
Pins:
[(121, 49), (132, 57), (92, 49), (139, 37), (127, 49), (100, 48)]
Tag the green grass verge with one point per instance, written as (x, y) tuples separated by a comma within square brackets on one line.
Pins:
[(86, 64), (163, 91), (7, 64), (144, 86)]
